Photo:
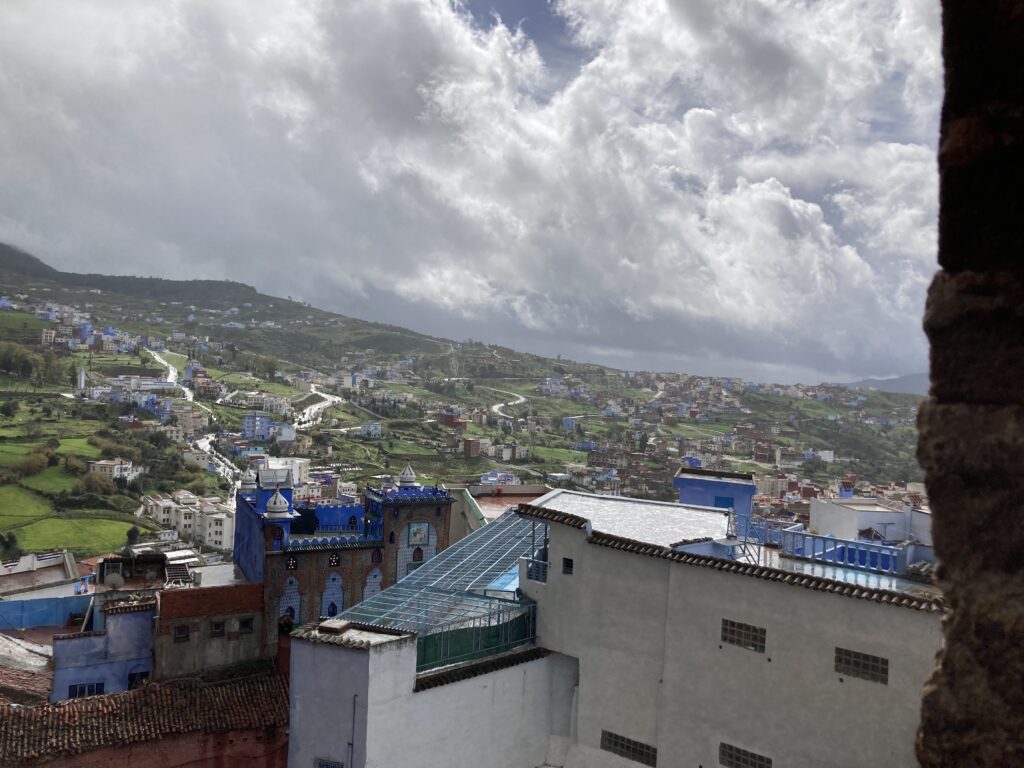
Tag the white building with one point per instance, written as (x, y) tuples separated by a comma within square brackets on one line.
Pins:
[(866, 518), (649, 642), (116, 469), (299, 468)]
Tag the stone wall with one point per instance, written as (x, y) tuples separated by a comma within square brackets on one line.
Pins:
[(972, 429)]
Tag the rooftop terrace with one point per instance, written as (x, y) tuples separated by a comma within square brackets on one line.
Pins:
[(652, 522)]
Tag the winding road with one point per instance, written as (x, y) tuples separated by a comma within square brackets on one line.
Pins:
[(497, 407)]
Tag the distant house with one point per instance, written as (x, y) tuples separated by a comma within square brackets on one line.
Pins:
[(370, 430), (256, 426), (116, 469)]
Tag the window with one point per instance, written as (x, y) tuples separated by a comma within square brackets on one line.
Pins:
[(377, 556), (216, 629), (245, 626), (642, 753), (744, 635), (181, 633), (417, 555), (862, 665), (291, 563), (391, 538), (137, 679), (734, 757), (352, 522), (333, 560), (725, 502), (81, 690), (567, 565), (325, 762)]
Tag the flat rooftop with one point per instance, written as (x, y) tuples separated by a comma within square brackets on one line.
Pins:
[(652, 522), (493, 507), (853, 576), (222, 575)]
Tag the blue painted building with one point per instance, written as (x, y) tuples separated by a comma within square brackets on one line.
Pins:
[(118, 657), (714, 488), (256, 426), (319, 557)]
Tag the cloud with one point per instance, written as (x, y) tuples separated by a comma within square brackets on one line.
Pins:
[(719, 186)]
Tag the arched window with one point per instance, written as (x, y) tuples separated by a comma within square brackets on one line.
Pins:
[(278, 533), (391, 538), (333, 560), (352, 522), (332, 610), (377, 556), (417, 555)]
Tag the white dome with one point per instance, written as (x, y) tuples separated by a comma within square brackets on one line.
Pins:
[(408, 477), (277, 504)]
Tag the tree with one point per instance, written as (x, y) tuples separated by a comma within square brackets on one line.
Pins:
[(133, 535), (643, 442)]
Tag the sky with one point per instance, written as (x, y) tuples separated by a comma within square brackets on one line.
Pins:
[(731, 187)]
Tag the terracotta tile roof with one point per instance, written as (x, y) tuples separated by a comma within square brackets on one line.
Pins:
[(49, 731), (24, 686), (817, 583), (475, 669), (325, 632)]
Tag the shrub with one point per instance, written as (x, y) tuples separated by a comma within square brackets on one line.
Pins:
[(94, 483)]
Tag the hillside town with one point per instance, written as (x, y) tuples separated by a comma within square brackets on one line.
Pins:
[(374, 506)]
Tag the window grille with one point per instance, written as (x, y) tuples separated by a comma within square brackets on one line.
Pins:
[(291, 563), (744, 635), (216, 629), (81, 690), (324, 762), (333, 560), (567, 565), (862, 665), (642, 753), (181, 633), (733, 757)]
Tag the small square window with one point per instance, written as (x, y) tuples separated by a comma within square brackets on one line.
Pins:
[(181, 633), (326, 762), (731, 756), (216, 629), (291, 563), (245, 626), (744, 635), (862, 665), (567, 565)]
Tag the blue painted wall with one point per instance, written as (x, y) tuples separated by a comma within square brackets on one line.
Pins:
[(248, 548), (41, 612), (109, 657), (722, 493)]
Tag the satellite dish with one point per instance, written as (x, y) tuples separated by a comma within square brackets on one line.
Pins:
[(114, 580)]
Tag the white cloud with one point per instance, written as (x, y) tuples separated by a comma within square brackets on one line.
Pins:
[(724, 185)]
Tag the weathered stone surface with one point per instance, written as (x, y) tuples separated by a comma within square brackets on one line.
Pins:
[(971, 442)]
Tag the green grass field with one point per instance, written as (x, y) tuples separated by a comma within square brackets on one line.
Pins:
[(81, 536), (51, 480), (12, 453), (78, 446), (19, 505)]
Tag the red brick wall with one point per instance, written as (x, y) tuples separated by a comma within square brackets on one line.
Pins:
[(230, 749), (211, 601)]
